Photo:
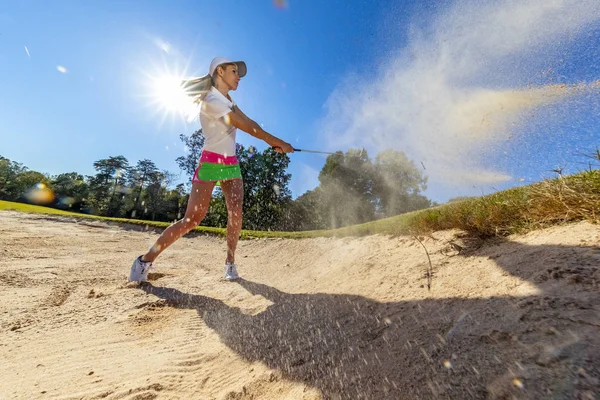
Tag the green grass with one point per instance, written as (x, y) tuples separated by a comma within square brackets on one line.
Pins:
[(517, 210), (550, 202), (29, 208)]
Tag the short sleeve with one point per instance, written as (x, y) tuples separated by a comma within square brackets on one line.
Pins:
[(215, 107)]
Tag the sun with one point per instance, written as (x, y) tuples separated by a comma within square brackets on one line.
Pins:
[(162, 95), (158, 86), (168, 95)]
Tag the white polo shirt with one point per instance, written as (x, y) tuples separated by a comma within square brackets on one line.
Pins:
[(219, 137)]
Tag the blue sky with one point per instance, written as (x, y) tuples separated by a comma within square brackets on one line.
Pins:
[(74, 78)]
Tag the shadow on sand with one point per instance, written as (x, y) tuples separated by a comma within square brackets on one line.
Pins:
[(352, 347)]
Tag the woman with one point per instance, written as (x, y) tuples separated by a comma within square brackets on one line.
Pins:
[(220, 118)]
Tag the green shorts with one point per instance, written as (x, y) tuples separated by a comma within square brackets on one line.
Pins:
[(214, 167)]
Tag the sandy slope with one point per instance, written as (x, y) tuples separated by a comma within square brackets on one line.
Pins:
[(316, 318)]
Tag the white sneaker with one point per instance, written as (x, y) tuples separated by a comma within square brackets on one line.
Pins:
[(139, 270), (231, 272)]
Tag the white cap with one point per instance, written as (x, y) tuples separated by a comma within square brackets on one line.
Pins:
[(221, 60)]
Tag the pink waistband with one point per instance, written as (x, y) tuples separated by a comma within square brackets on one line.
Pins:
[(216, 158)]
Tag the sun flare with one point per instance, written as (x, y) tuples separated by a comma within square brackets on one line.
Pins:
[(159, 81), (169, 96)]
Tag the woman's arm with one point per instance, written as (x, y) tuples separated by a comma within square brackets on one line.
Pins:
[(238, 119)]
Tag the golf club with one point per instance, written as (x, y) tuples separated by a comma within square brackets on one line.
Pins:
[(313, 151)]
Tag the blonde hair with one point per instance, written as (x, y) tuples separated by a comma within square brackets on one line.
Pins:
[(197, 88)]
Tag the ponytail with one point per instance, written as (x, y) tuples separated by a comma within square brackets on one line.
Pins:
[(197, 88)]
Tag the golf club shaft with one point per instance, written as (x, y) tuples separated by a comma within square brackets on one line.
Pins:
[(313, 151), (310, 151)]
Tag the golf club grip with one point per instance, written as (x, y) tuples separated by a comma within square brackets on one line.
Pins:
[(309, 151), (276, 147)]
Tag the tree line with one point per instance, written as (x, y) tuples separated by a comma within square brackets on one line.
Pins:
[(352, 189)]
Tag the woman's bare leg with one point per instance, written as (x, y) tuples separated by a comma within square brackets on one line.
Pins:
[(234, 198), (197, 207)]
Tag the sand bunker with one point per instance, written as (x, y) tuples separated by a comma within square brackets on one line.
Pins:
[(316, 318)]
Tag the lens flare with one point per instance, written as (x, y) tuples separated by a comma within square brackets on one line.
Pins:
[(67, 201), (280, 3), (40, 194), (163, 45)]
